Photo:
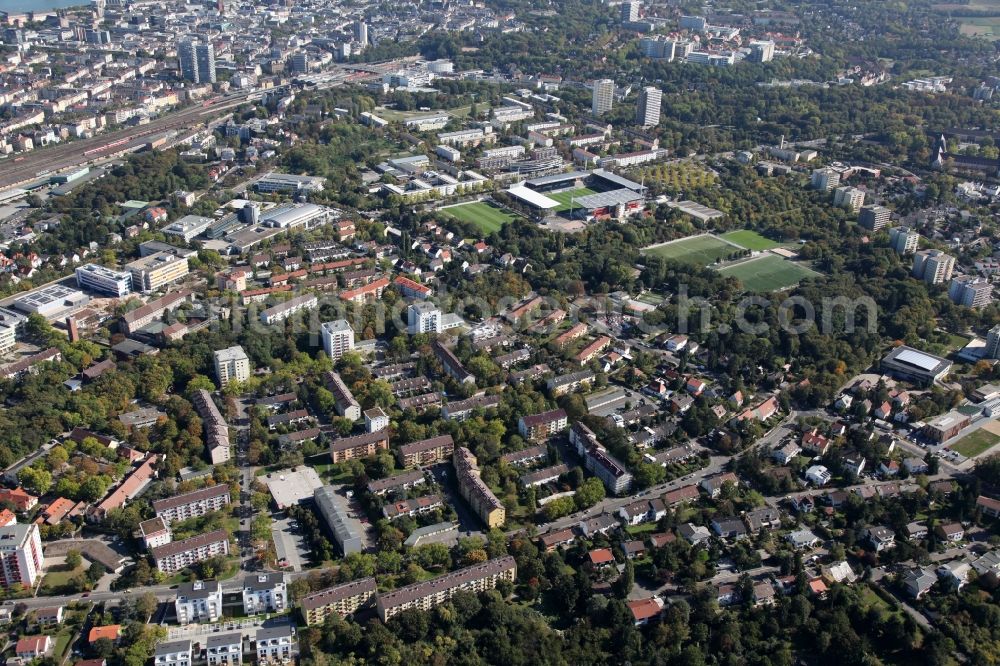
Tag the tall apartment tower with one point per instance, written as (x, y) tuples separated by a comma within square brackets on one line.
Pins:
[(338, 338), (992, 349), (848, 197), (903, 240), (197, 60), (604, 96), (423, 317), (971, 291), (647, 112), (825, 179), (933, 266), (231, 364), (630, 12), (361, 33), (874, 217)]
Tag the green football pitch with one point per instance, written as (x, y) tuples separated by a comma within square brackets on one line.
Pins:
[(484, 216), (700, 250), (767, 273)]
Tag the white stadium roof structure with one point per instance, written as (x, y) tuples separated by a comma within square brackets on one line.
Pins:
[(532, 197)]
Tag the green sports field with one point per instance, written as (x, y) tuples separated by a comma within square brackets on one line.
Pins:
[(700, 250), (486, 217), (564, 197), (751, 240), (767, 273), (975, 443)]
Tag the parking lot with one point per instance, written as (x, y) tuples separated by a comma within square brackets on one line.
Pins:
[(289, 545)]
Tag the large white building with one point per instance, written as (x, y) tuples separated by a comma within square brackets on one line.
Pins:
[(188, 227), (265, 593), (423, 317), (933, 266), (231, 364), (903, 240), (850, 198), (197, 61), (338, 338), (275, 645), (21, 558), (192, 504), (153, 271), (173, 653), (992, 349), (200, 601), (177, 555), (283, 311), (103, 280), (970, 291), (825, 179), (284, 182), (647, 113), (603, 97)]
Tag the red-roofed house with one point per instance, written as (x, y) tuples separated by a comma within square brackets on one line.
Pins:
[(110, 631), (600, 557), (33, 647), (412, 289), (643, 610), (55, 512), (21, 500), (128, 489), (7, 518)]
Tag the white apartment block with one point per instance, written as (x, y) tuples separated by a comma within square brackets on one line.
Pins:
[(21, 558), (338, 338), (903, 240), (265, 593), (275, 645), (283, 311), (192, 504), (180, 554), (874, 218), (231, 364), (174, 653), (603, 96), (155, 532), (647, 113), (8, 338), (825, 179), (224, 650), (972, 292), (200, 601), (103, 280), (850, 198), (933, 266), (423, 317)]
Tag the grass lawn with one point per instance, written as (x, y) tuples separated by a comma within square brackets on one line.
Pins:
[(751, 240), (484, 216), (767, 273), (701, 250), (63, 640), (57, 577), (644, 528), (975, 443), (565, 196), (987, 27), (649, 298)]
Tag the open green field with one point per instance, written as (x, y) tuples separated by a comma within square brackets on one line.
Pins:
[(751, 240), (975, 443), (986, 27), (484, 216), (767, 273), (564, 197), (392, 115), (701, 250)]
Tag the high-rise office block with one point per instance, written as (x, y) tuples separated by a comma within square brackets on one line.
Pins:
[(933, 266), (630, 12), (604, 96), (338, 338), (903, 240), (231, 364), (197, 61), (647, 112), (423, 317)]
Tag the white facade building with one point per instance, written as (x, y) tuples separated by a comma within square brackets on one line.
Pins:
[(338, 338)]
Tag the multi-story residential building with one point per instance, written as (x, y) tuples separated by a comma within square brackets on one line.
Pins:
[(903, 240), (874, 218), (825, 179), (630, 11), (197, 60), (154, 271), (568, 383), (423, 317), (283, 311), (338, 338), (359, 446), (475, 491), (8, 338), (412, 508), (275, 645), (155, 532), (199, 601), (933, 266), (761, 50), (343, 600), (647, 112), (344, 401), (850, 198), (426, 451), (103, 280), (397, 483), (216, 428), (970, 291), (451, 364), (541, 426), (992, 349), (428, 594), (612, 473), (192, 504), (265, 593), (21, 558), (603, 96), (173, 653), (231, 364), (463, 409), (152, 311), (224, 650), (180, 554)]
